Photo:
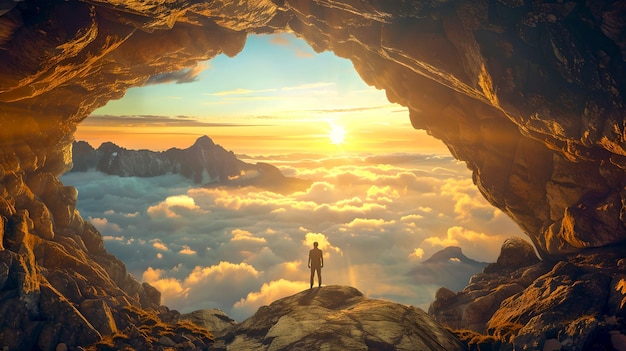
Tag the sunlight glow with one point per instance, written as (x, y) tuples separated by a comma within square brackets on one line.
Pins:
[(337, 134)]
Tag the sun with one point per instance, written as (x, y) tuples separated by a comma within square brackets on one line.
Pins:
[(337, 134)]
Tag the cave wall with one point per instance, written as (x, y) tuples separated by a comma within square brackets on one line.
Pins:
[(530, 95)]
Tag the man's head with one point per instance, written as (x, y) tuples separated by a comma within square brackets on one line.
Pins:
[(315, 244)]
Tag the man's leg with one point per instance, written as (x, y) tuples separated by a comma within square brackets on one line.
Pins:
[(319, 276), (312, 274)]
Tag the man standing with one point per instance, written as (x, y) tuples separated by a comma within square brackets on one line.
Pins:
[(316, 262)]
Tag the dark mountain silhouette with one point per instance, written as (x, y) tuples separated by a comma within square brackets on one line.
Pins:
[(203, 163), (448, 267)]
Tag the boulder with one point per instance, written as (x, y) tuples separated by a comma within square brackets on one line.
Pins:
[(214, 320), (337, 317), (98, 313)]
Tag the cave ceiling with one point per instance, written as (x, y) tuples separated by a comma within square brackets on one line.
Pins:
[(529, 94)]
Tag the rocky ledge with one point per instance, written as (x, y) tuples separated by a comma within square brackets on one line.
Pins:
[(337, 318), (519, 302)]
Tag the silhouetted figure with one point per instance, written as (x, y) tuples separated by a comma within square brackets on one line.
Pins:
[(316, 262)]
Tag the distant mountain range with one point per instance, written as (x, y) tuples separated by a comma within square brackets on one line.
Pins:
[(448, 267), (204, 163)]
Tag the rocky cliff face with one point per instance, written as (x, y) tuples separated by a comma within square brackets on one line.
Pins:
[(58, 284), (203, 163), (576, 304), (529, 94)]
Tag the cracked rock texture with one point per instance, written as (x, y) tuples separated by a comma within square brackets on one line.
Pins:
[(529, 94)]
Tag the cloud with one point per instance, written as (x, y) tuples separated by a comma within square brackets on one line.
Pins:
[(240, 91), (236, 248), (304, 54), (280, 40), (308, 86), (268, 293), (417, 254), (103, 225), (149, 121), (171, 205), (186, 250), (187, 75), (167, 286), (243, 235), (322, 241), (157, 244), (351, 109)]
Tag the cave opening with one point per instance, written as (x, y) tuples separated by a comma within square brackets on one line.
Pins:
[(529, 94), (380, 202)]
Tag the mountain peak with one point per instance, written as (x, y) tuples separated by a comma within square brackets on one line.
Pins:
[(448, 267), (450, 253), (203, 141)]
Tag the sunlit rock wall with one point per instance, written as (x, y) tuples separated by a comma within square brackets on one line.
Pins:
[(529, 95)]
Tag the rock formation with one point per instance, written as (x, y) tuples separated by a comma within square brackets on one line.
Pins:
[(337, 318), (203, 163), (211, 319), (529, 94), (519, 300), (58, 284)]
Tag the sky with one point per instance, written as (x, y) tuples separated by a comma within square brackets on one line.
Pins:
[(277, 95), (383, 198)]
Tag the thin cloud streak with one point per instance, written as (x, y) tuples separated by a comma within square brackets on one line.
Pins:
[(155, 121), (240, 91), (316, 85), (184, 76)]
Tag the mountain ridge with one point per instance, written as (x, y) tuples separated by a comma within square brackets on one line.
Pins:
[(448, 267), (204, 163)]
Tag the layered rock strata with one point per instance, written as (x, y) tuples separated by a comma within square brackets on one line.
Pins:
[(529, 94)]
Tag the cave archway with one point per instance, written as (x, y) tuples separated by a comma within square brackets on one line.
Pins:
[(530, 95), (498, 96)]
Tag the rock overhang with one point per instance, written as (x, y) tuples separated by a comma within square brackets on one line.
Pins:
[(530, 96)]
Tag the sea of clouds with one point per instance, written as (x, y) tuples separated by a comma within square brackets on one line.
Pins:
[(375, 217)]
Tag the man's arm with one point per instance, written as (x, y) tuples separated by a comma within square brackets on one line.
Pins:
[(309, 259), (322, 258)]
